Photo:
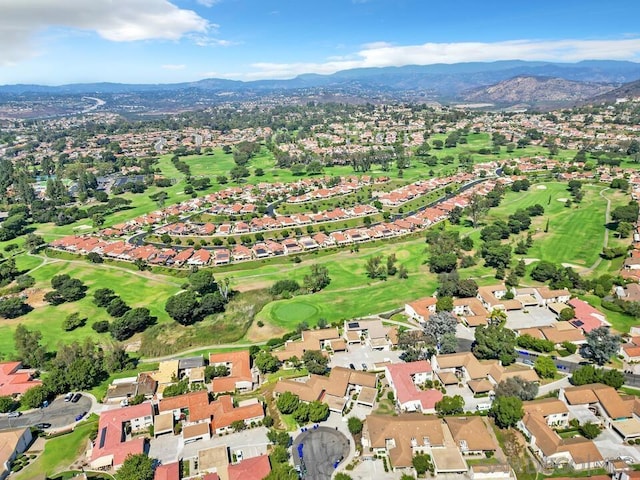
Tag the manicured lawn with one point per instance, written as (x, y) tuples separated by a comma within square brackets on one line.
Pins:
[(137, 291), (575, 234), (60, 452)]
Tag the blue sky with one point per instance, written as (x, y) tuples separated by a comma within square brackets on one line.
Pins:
[(158, 41)]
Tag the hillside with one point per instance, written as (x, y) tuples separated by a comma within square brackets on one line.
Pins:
[(628, 90), (540, 91)]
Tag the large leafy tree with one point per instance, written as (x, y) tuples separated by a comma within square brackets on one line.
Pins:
[(182, 306), (439, 325), (517, 387), (318, 411), (266, 362), (287, 402), (28, 346), (355, 425), (136, 467), (601, 345), (495, 342), (450, 405), (506, 411), (315, 361), (317, 279)]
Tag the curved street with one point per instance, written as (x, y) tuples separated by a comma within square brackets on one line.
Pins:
[(59, 414)]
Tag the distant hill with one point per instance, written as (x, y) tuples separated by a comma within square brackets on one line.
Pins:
[(628, 90), (538, 91)]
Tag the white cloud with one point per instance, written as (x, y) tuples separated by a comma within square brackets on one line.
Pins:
[(170, 66), (208, 3), (382, 54), (114, 20)]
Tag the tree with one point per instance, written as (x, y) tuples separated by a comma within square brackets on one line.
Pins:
[(506, 411), (590, 374), (209, 304), (33, 242), (117, 307), (450, 405), (279, 438), (315, 362), (448, 343), (34, 397), (589, 430), (281, 471), (317, 279), (517, 387), (567, 314), (287, 402), (265, 362), (203, 282), (477, 207), (103, 296), (495, 342), (182, 307), (355, 425), (238, 425), (375, 269), (342, 476), (279, 454), (7, 404), (624, 229), (136, 467), (422, 463), (28, 346), (444, 304), (13, 307), (601, 345), (545, 367), (73, 321), (318, 411), (301, 413), (467, 288), (132, 322), (439, 325)]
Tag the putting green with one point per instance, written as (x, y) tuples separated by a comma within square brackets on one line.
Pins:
[(294, 312)]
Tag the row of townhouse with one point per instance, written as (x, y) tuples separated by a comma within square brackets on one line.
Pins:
[(346, 186), (266, 222), (401, 195)]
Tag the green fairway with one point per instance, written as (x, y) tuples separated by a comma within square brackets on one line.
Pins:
[(136, 289), (60, 452), (575, 234)]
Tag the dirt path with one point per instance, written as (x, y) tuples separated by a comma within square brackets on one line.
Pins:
[(197, 349)]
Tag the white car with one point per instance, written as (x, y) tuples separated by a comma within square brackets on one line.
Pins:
[(239, 456), (68, 397)]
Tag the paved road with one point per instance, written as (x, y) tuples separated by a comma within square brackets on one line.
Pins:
[(59, 414)]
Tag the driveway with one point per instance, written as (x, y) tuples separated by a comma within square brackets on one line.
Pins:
[(610, 445), (59, 414)]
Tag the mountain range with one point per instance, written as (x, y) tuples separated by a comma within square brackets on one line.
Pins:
[(528, 82)]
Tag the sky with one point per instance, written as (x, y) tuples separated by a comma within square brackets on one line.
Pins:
[(54, 42)]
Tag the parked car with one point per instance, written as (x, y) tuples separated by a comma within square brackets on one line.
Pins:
[(76, 397), (364, 367), (352, 366), (14, 414), (42, 426), (80, 416), (68, 397)]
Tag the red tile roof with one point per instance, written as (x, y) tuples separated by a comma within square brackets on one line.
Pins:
[(401, 374), (587, 317), (255, 468), (240, 370), (14, 383), (170, 471)]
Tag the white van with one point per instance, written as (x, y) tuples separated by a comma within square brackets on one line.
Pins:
[(483, 407)]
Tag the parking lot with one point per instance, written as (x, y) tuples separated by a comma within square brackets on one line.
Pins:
[(59, 414), (362, 354), (535, 317), (322, 449)]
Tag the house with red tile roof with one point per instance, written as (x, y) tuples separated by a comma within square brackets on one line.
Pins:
[(200, 257), (225, 414), (240, 252), (255, 468), (240, 377), (586, 318), (421, 309), (222, 256), (404, 379), (113, 444), (14, 380), (182, 257), (169, 471)]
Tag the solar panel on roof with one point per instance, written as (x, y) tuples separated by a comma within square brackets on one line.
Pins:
[(578, 323), (354, 325)]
